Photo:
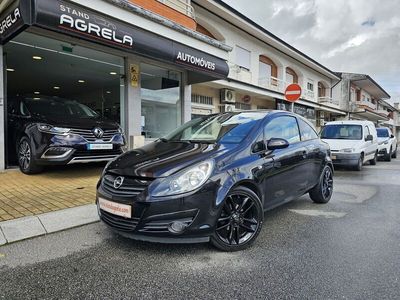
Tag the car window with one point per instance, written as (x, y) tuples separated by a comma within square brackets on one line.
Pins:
[(342, 132), (382, 132), (366, 131), (306, 131), (284, 127)]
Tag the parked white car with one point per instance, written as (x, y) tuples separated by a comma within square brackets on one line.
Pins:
[(387, 144), (352, 143)]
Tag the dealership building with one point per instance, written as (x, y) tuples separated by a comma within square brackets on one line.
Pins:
[(131, 69)]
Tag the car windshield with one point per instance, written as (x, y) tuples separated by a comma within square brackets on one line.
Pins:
[(382, 132), (342, 132), (57, 107), (225, 128)]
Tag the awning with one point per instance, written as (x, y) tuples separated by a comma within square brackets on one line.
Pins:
[(78, 21), (369, 115), (366, 83)]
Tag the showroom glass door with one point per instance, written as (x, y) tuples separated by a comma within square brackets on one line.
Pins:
[(161, 101), (39, 67)]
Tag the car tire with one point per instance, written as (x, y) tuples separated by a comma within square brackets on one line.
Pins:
[(372, 162), (360, 163), (239, 221), (388, 156), (394, 155), (26, 162), (323, 191)]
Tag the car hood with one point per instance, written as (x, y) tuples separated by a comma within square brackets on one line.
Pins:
[(381, 140), (336, 144), (81, 123), (161, 159)]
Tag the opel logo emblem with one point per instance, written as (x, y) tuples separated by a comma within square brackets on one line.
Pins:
[(118, 182), (98, 132)]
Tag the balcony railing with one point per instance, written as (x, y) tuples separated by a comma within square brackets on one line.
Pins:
[(182, 6), (272, 83), (309, 95), (328, 100), (367, 103)]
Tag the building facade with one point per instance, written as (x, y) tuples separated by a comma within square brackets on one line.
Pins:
[(129, 64)]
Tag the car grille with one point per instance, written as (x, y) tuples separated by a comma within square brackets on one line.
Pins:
[(119, 223), (90, 137), (91, 153), (130, 186)]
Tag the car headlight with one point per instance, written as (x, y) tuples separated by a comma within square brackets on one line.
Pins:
[(120, 130), (347, 150), (53, 130), (184, 181)]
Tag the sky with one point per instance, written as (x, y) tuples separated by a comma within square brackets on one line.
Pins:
[(355, 36)]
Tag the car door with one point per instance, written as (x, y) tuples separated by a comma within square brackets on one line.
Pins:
[(369, 145), (313, 163), (284, 179)]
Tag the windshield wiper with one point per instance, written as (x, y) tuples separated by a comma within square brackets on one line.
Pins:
[(200, 141)]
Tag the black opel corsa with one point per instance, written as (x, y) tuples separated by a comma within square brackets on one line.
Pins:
[(53, 131), (213, 178)]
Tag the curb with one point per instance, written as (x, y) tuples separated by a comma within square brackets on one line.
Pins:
[(32, 226)]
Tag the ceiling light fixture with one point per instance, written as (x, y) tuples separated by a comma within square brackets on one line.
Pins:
[(36, 93), (37, 57), (56, 87), (108, 92), (10, 70), (113, 73), (81, 81)]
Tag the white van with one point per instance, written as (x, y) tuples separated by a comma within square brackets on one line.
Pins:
[(352, 143)]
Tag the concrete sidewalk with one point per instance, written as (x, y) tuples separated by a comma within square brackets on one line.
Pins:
[(32, 226)]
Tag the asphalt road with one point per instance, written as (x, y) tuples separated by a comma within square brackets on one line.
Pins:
[(347, 249)]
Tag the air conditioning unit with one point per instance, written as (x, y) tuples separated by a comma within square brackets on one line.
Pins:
[(227, 108), (228, 96)]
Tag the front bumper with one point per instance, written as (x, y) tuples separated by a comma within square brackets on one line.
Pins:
[(345, 159), (382, 150), (71, 151), (152, 220)]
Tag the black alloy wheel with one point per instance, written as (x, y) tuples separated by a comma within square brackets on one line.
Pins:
[(323, 191), (394, 155), (240, 220), (388, 156), (373, 161), (26, 161)]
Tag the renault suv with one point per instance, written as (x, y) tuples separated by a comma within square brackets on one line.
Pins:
[(213, 178), (53, 131)]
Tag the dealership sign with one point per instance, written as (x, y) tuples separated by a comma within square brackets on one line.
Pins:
[(79, 21), (13, 20)]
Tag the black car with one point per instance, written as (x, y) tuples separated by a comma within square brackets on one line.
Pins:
[(213, 178), (54, 131)]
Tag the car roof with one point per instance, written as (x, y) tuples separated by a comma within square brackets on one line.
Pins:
[(350, 122)]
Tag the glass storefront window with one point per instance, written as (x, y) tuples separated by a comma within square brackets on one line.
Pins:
[(48, 70), (161, 101), (52, 68)]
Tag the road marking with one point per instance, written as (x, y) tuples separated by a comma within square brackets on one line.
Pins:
[(318, 213)]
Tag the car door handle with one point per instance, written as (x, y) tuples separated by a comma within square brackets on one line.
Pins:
[(304, 154)]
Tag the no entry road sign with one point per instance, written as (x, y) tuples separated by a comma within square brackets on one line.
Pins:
[(293, 92)]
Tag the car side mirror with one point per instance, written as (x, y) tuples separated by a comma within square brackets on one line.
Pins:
[(275, 143), (392, 136), (258, 147), (369, 138)]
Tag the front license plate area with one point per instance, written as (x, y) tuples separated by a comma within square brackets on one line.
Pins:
[(100, 146), (333, 156), (115, 208)]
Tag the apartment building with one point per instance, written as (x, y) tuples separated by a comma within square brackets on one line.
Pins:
[(364, 99), (261, 66)]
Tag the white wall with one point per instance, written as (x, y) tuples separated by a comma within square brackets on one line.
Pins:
[(233, 36)]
